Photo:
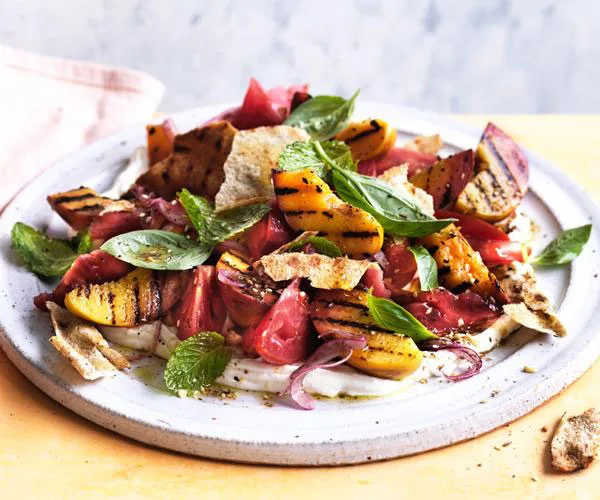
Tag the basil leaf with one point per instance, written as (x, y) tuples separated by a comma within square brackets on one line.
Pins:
[(197, 362), (214, 228), (426, 268), (321, 245), (398, 216), (391, 316), (47, 257), (565, 247), (323, 116), (154, 249), (303, 155)]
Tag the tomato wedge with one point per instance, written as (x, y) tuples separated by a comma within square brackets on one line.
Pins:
[(401, 266), (283, 335), (493, 244), (201, 308), (268, 234), (397, 156)]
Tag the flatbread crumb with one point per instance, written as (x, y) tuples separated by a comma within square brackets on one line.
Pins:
[(576, 442)]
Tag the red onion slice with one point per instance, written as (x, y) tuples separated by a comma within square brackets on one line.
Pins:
[(460, 350), (333, 352)]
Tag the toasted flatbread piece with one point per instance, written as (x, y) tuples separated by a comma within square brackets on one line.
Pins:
[(323, 272), (195, 164), (576, 442), (425, 144), (529, 306), (248, 168), (83, 345), (397, 177)]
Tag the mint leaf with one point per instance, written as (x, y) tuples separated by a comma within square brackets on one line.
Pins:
[(391, 316), (323, 116), (320, 244), (563, 249), (304, 155), (215, 228), (155, 249), (47, 257), (426, 268), (197, 362)]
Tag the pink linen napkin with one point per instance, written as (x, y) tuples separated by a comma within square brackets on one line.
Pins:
[(52, 106)]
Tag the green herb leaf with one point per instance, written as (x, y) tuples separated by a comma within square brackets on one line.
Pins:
[(47, 257), (391, 316), (321, 245), (323, 116), (197, 362), (565, 247), (397, 215), (426, 268), (303, 155), (214, 228), (154, 249), (82, 242)]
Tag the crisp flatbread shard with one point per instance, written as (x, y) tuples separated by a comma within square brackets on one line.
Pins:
[(196, 163), (254, 154), (529, 306), (323, 272), (397, 178), (83, 345), (576, 442), (425, 144)]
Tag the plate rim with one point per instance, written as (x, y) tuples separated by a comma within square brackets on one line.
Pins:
[(279, 452)]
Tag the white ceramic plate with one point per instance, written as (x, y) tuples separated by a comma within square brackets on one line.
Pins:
[(337, 431)]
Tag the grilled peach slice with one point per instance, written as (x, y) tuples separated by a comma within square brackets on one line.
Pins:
[(446, 178), (368, 139), (461, 267), (78, 207), (309, 205), (160, 139), (130, 301), (386, 354), (501, 178)]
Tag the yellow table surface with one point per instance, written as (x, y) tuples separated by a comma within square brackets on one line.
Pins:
[(48, 451)]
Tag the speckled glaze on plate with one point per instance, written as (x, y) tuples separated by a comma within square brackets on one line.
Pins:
[(337, 431)]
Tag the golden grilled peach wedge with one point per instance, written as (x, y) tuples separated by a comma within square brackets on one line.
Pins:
[(130, 301), (386, 354), (460, 268), (368, 139), (309, 205), (501, 178), (160, 139)]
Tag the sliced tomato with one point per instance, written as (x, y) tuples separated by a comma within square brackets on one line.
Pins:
[(246, 296), (268, 234), (493, 244), (416, 161), (93, 268), (172, 285), (109, 224), (283, 97), (401, 266), (201, 308), (373, 279), (283, 336), (443, 312)]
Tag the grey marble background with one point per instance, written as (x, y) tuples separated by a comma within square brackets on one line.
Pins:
[(445, 55)]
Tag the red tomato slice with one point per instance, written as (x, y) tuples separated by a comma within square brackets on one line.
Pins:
[(201, 308), (442, 312), (493, 244), (283, 336), (416, 161), (268, 234), (401, 268)]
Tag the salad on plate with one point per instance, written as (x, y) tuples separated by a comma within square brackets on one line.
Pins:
[(284, 247)]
